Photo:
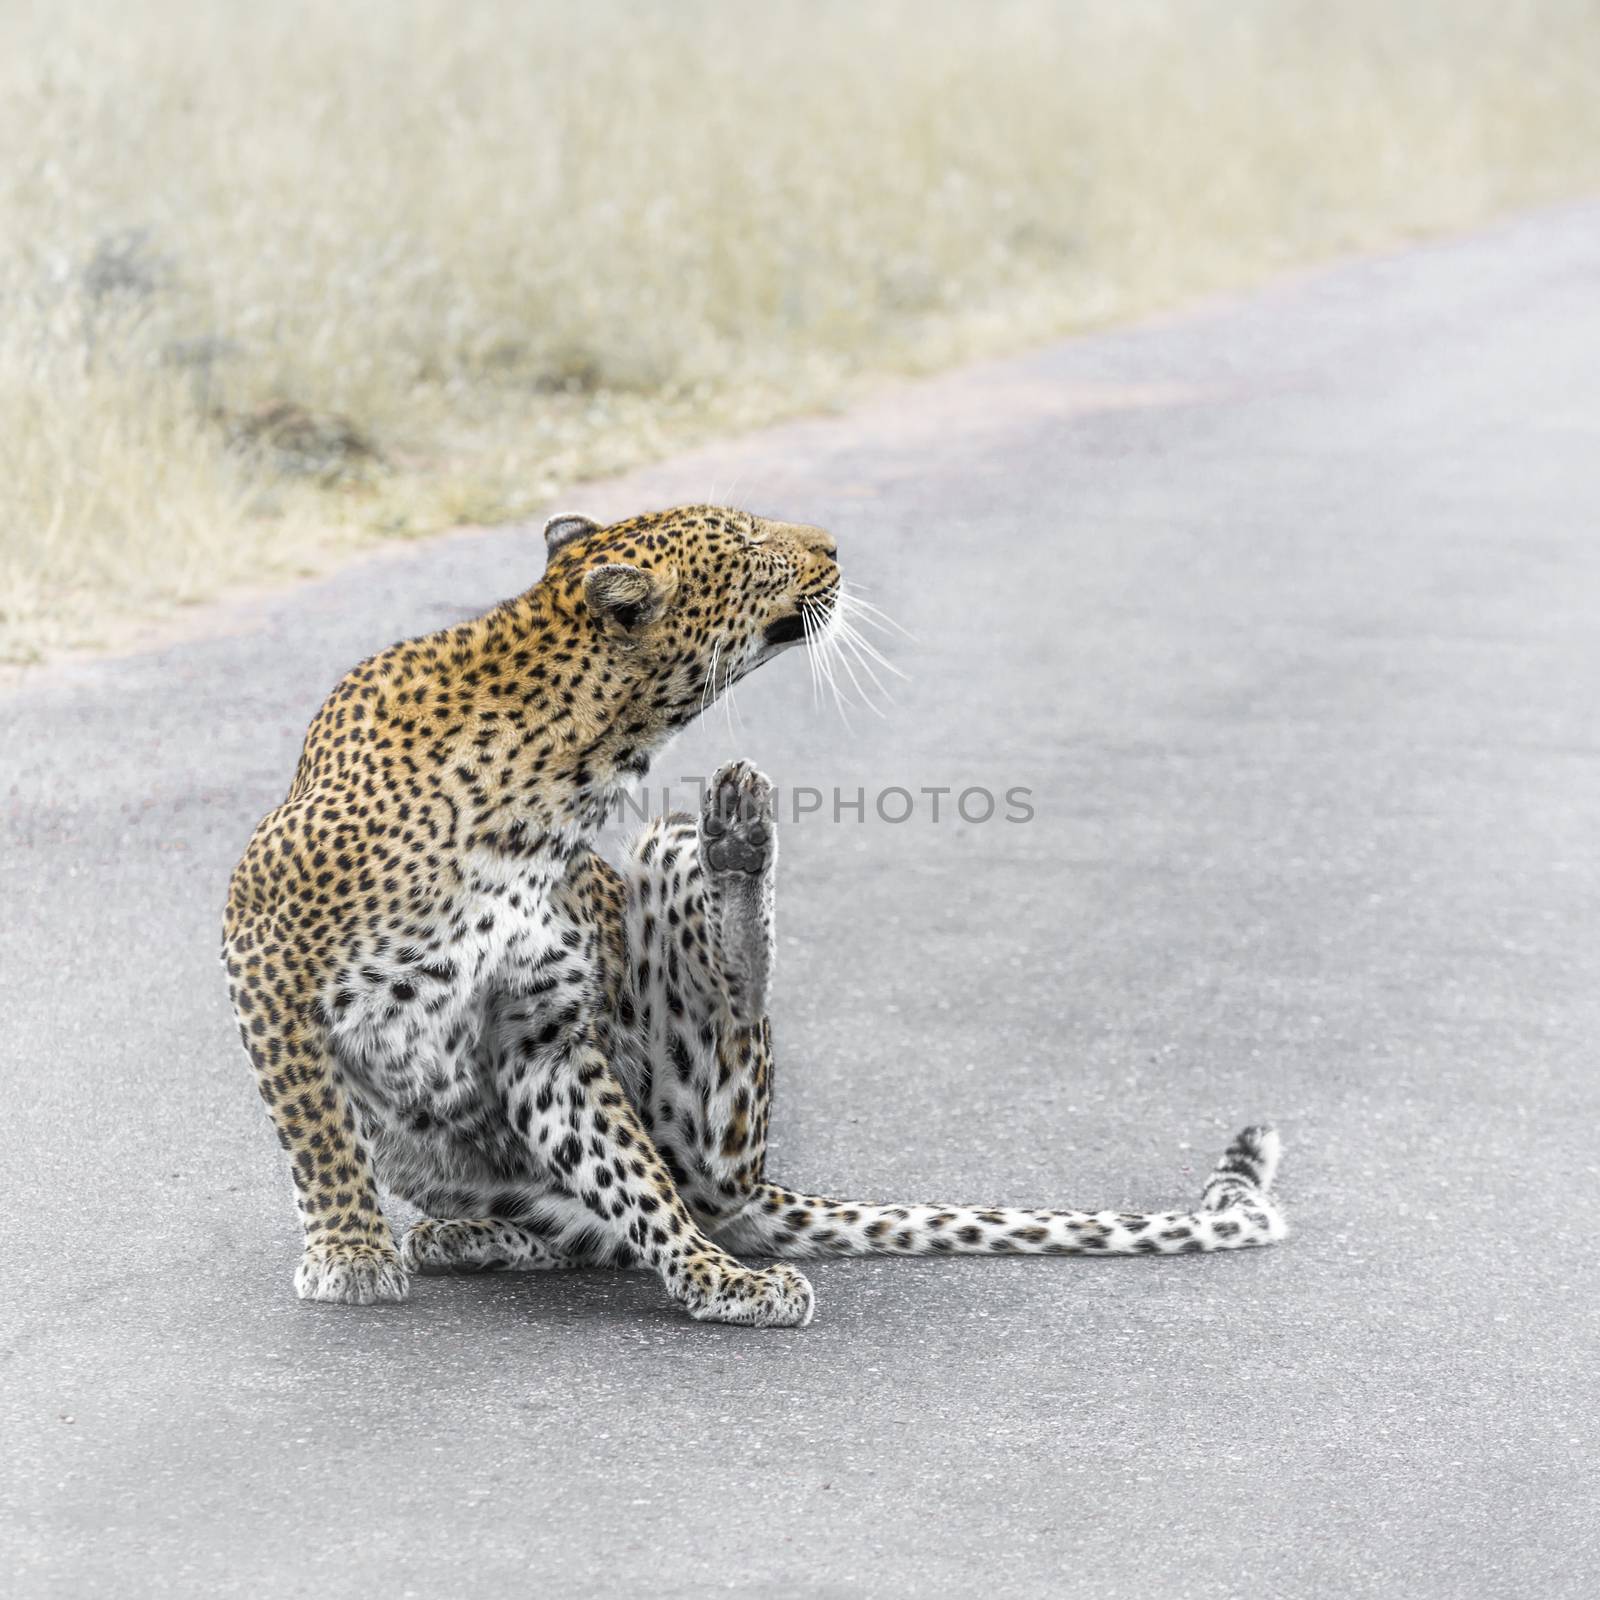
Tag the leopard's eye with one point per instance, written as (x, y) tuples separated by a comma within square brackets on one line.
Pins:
[(755, 531)]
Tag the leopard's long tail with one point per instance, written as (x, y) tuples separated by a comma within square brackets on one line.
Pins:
[(1236, 1210)]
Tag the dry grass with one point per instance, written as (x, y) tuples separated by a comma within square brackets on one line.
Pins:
[(516, 243)]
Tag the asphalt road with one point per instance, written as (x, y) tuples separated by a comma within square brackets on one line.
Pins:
[(1287, 612)]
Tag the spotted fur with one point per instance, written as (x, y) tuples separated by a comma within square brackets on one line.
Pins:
[(442, 988)]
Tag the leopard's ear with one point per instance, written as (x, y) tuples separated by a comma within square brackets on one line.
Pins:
[(626, 599), (561, 530)]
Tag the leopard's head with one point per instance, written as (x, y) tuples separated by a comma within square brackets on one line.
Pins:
[(668, 610)]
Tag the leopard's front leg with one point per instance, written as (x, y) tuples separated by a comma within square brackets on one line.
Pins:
[(350, 1256)]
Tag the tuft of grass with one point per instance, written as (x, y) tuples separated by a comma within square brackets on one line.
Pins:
[(278, 279)]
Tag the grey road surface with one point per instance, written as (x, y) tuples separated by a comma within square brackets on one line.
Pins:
[(1287, 614)]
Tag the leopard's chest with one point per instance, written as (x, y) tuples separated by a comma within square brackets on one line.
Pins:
[(414, 1012)]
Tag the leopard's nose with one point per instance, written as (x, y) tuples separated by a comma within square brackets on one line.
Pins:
[(808, 538), (818, 539)]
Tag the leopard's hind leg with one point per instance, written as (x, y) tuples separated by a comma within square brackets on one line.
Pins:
[(738, 850), (699, 920)]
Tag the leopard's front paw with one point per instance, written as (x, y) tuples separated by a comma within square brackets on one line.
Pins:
[(776, 1298), (737, 833), (477, 1244), (447, 1246), (347, 1272)]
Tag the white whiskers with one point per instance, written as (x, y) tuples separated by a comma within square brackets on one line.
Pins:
[(708, 688), (838, 644), (844, 664)]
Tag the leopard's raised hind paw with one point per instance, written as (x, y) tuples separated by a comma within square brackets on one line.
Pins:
[(737, 831)]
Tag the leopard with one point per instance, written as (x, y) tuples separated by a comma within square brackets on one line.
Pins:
[(449, 997)]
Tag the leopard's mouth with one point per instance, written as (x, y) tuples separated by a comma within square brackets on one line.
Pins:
[(808, 619), (786, 630)]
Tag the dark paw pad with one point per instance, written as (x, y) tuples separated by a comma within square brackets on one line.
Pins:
[(736, 823)]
